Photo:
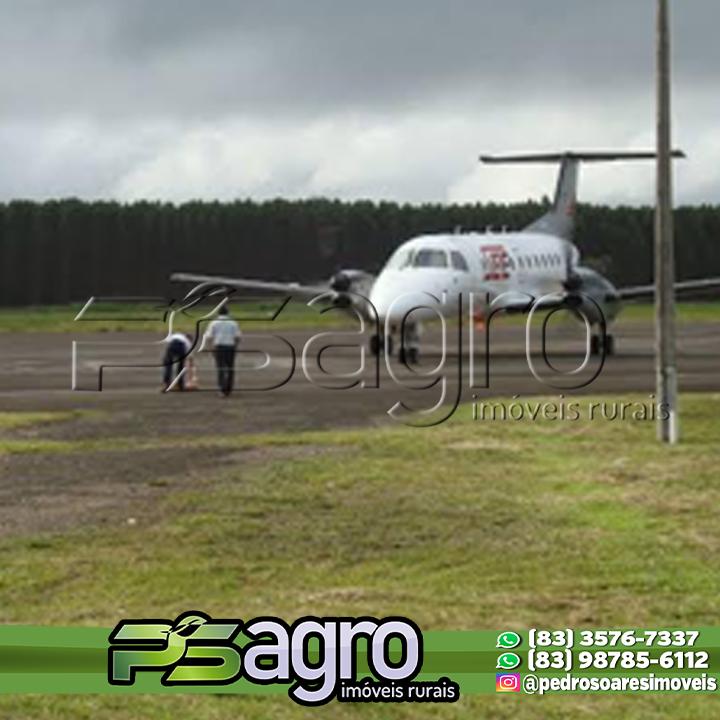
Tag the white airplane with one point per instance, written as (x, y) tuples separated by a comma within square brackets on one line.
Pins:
[(509, 271)]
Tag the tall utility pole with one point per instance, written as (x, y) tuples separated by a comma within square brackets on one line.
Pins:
[(668, 422)]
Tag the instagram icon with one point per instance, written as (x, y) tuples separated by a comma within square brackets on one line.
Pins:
[(507, 682)]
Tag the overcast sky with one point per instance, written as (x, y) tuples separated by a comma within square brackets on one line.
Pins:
[(180, 99)]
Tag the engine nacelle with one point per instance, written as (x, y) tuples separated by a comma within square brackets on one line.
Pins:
[(587, 285), (346, 284)]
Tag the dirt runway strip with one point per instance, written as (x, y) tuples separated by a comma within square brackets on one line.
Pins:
[(119, 451), (36, 372)]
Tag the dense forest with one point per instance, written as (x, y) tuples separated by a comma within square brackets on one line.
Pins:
[(67, 250)]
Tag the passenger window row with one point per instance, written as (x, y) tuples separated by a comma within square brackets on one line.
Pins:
[(525, 262), (549, 260), (437, 258)]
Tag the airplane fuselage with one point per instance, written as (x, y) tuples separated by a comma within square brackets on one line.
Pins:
[(506, 268)]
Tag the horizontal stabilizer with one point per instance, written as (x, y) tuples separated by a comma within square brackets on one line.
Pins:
[(560, 220), (579, 156)]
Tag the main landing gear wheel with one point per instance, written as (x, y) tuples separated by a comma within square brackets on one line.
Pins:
[(597, 345), (409, 353), (408, 357), (610, 345)]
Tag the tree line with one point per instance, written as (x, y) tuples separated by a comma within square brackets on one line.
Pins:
[(63, 251)]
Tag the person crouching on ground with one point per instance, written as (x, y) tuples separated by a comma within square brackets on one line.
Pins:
[(178, 347), (225, 335)]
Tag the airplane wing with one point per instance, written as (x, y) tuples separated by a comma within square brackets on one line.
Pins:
[(261, 286), (648, 291)]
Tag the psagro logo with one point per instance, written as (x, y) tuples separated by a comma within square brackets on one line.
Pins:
[(317, 656)]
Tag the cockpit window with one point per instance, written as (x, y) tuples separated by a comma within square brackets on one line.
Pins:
[(408, 259), (430, 259), (402, 258), (458, 261)]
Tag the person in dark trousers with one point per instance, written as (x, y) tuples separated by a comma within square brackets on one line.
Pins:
[(178, 347), (225, 335)]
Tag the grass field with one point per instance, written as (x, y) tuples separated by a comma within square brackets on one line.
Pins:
[(115, 317), (109, 317), (468, 526)]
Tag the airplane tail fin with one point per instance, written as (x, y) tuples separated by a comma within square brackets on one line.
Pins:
[(560, 219)]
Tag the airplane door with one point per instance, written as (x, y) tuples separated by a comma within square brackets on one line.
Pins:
[(461, 276)]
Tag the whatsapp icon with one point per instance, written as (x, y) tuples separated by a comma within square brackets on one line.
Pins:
[(508, 640), (508, 661)]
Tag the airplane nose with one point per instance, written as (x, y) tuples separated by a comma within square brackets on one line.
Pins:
[(380, 304), (395, 302)]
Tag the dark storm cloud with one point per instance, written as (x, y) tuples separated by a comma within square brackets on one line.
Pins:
[(183, 56), (115, 92)]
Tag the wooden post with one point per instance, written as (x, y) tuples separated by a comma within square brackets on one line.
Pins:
[(668, 422)]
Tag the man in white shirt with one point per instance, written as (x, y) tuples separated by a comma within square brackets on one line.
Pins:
[(225, 335)]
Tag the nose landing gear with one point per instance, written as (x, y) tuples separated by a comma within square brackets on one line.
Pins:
[(378, 345), (409, 351)]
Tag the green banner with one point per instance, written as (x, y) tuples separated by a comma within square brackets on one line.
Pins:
[(80, 660)]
